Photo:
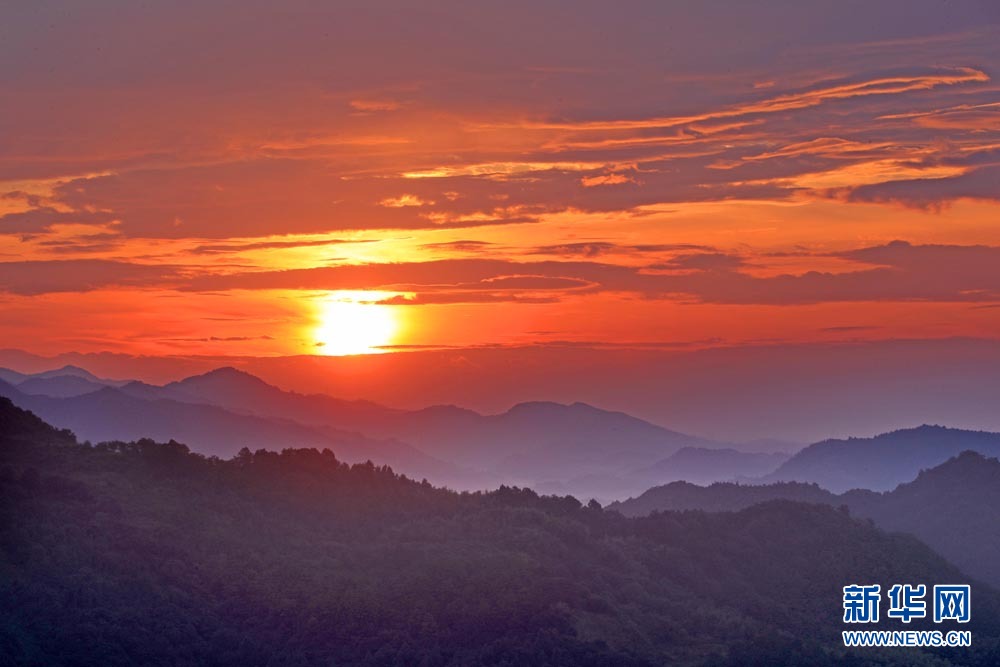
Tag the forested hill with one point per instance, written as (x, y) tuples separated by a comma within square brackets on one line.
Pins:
[(720, 497), (953, 507), (143, 553)]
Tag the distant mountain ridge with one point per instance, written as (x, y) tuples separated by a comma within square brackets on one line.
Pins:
[(69, 370), (563, 448), (953, 507), (701, 465), (528, 444), (528, 431), (114, 414), (60, 386), (881, 462)]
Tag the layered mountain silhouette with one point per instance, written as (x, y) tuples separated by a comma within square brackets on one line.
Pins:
[(881, 462), (556, 448), (111, 414), (59, 386), (63, 382), (954, 507), (531, 438), (702, 465), (577, 447), (146, 553), (12, 377)]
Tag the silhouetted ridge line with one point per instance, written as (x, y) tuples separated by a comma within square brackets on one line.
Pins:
[(953, 507), (881, 462)]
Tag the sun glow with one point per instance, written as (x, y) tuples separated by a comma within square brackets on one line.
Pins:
[(350, 323)]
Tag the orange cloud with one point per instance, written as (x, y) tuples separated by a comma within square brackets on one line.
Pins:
[(891, 85), (606, 179)]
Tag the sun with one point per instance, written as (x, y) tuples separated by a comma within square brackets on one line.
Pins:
[(350, 325)]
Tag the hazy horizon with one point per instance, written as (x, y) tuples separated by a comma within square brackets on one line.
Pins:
[(732, 394)]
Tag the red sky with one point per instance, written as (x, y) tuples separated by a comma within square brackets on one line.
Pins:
[(253, 179)]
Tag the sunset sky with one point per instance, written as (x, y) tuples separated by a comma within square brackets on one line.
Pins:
[(223, 178)]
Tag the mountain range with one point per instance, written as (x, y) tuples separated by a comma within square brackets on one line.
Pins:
[(573, 448), (114, 414), (571, 439), (147, 553), (881, 462), (953, 507), (576, 448)]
